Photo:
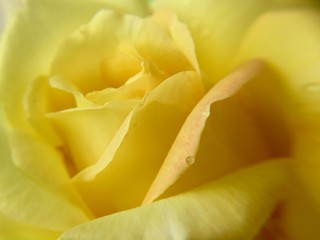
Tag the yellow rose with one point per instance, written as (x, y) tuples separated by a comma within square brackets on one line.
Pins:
[(176, 119)]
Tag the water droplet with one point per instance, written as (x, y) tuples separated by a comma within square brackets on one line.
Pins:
[(190, 160)]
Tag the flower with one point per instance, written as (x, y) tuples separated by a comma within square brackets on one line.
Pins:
[(169, 120)]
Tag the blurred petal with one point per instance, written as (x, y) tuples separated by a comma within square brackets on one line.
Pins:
[(301, 215), (297, 61), (35, 106), (24, 199), (183, 151), (8, 9), (13, 230), (235, 207), (153, 127), (136, 7), (31, 40), (28, 154), (218, 26)]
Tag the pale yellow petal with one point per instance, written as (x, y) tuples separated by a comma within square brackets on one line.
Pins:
[(31, 41), (107, 156), (24, 199), (217, 27), (86, 55), (180, 34), (136, 7), (235, 207), (289, 41), (242, 130), (36, 105), (7, 10), (37, 159), (88, 131), (94, 58), (59, 83), (154, 125), (135, 88), (296, 61), (183, 151), (13, 230)]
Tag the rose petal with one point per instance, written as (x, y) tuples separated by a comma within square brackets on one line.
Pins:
[(124, 181), (135, 7), (217, 27), (183, 151), (298, 63), (94, 58), (85, 56), (28, 154), (13, 230), (107, 156), (97, 126), (242, 130), (180, 35), (24, 199), (135, 88), (31, 40), (303, 210), (234, 207), (35, 106), (7, 10), (301, 216), (59, 83)]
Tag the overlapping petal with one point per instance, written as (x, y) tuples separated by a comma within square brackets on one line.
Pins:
[(234, 207), (26, 199), (289, 41), (138, 137), (88, 131), (218, 26), (123, 183), (298, 63), (14, 230), (33, 38), (112, 48), (183, 151)]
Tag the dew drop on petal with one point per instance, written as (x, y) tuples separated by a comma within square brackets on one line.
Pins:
[(190, 160)]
